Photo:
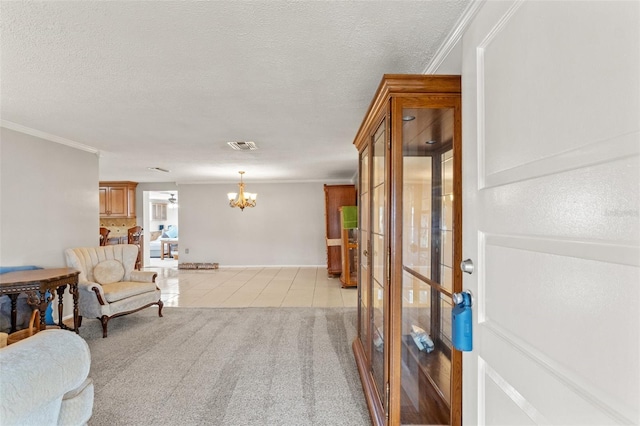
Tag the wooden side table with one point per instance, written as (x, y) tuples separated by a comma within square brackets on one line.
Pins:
[(166, 242), (41, 280)]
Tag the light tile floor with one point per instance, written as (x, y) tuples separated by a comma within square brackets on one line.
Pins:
[(251, 287)]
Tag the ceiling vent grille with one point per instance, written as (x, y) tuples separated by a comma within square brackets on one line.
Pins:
[(159, 169), (243, 146)]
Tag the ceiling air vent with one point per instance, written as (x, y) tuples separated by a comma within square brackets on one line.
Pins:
[(243, 146), (158, 169)]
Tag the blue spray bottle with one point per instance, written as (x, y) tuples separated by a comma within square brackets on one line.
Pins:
[(462, 321)]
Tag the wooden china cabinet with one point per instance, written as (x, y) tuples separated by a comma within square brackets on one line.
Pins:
[(409, 241), (336, 196)]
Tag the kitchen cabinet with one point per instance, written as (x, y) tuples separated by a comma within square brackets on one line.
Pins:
[(158, 211), (118, 199)]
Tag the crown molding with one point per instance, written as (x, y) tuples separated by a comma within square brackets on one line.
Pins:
[(454, 36), (47, 136), (268, 181)]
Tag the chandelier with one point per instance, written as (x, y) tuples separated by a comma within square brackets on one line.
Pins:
[(242, 199)]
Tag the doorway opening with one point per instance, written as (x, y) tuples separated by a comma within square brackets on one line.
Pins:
[(160, 209)]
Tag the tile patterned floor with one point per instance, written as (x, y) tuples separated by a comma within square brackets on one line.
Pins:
[(251, 287)]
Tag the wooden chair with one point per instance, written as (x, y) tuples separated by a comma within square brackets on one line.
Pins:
[(104, 234), (34, 327), (134, 236)]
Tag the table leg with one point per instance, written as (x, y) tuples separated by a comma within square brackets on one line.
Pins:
[(44, 302), (14, 311), (73, 289), (60, 305), (162, 250)]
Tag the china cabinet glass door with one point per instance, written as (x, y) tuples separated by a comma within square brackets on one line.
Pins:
[(427, 264), (364, 278), (378, 257)]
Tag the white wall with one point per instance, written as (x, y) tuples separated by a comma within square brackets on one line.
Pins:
[(48, 200), (452, 63), (287, 227), (141, 204)]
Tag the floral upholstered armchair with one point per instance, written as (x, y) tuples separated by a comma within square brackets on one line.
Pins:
[(109, 286)]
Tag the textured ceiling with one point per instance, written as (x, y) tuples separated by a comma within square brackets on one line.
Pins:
[(168, 83)]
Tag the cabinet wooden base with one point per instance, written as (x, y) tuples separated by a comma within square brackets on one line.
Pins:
[(376, 411), (349, 283)]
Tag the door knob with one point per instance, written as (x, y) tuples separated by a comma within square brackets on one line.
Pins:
[(466, 266)]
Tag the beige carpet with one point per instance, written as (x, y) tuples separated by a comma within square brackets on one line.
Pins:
[(217, 366)]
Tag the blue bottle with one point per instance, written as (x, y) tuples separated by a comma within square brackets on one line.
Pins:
[(462, 322)]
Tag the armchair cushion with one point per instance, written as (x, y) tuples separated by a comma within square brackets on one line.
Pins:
[(108, 271), (124, 289), (143, 276)]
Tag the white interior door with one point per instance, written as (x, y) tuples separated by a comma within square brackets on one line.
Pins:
[(551, 140)]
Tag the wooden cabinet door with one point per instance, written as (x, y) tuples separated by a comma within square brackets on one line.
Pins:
[(103, 200), (158, 211), (131, 201), (117, 201)]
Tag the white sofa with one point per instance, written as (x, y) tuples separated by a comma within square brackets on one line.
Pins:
[(45, 380), (156, 238), (108, 286)]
